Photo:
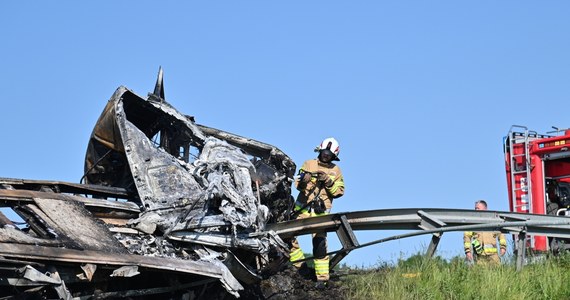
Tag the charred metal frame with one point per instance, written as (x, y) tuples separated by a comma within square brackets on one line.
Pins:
[(159, 190)]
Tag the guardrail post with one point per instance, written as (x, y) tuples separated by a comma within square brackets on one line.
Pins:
[(521, 249), (431, 222), (347, 239)]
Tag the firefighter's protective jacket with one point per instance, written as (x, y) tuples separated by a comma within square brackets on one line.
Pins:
[(483, 243), (310, 190)]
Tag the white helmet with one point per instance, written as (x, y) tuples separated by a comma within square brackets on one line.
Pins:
[(330, 144)]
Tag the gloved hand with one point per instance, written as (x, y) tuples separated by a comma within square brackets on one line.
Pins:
[(325, 179), (305, 177)]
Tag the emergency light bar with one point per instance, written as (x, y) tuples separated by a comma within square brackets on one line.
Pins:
[(554, 143)]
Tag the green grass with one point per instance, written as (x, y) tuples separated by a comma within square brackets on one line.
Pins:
[(436, 278)]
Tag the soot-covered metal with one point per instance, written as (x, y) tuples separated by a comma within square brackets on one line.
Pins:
[(166, 206)]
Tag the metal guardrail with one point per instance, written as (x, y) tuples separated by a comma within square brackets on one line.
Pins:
[(419, 221), (423, 221)]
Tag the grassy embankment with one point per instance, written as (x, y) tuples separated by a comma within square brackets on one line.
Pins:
[(421, 278)]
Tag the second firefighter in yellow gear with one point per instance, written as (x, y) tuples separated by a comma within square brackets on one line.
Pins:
[(319, 182), (481, 247)]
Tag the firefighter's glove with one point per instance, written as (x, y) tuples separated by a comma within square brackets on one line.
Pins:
[(305, 177), (325, 179), (477, 247)]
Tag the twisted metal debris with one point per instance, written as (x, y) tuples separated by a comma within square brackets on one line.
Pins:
[(165, 206)]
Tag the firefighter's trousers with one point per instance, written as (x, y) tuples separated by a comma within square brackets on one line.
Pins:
[(489, 260), (321, 264)]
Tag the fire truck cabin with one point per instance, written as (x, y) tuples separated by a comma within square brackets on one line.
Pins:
[(538, 175)]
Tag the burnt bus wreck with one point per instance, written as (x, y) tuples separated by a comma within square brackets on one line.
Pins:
[(167, 208)]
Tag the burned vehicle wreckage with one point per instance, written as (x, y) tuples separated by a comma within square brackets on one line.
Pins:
[(166, 207)]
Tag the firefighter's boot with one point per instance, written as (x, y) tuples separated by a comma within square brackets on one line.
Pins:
[(305, 271)]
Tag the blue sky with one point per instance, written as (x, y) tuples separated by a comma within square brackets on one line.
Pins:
[(418, 93)]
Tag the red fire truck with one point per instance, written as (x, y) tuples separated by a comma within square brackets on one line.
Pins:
[(538, 177)]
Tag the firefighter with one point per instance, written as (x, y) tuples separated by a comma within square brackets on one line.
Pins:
[(481, 247), (319, 182)]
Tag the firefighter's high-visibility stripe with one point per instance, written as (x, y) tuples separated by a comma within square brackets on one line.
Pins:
[(314, 214), (503, 242), (296, 254), (306, 211), (489, 249), (336, 186), (299, 207), (322, 266), (467, 246)]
